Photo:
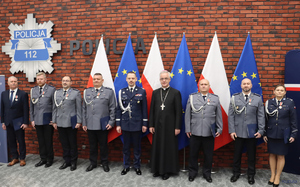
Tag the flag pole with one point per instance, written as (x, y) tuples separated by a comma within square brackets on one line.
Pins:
[(184, 169)]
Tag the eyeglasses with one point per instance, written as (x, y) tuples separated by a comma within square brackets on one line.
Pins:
[(164, 79)]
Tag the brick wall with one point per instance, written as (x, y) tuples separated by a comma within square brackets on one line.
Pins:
[(274, 28)]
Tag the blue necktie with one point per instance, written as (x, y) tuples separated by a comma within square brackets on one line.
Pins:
[(11, 96)]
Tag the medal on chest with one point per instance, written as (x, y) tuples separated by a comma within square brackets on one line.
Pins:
[(280, 105), (16, 98), (208, 101), (67, 96), (43, 93), (250, 101), (98, 94)]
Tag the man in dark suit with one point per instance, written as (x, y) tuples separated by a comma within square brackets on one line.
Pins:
[(15, 118), (132, 119), (41, 103)]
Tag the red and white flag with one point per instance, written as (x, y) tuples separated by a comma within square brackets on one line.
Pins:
[(214, 72), (150, 77), (101, 66)]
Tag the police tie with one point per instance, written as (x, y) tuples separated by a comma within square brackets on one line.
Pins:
[(204, 97), (97, 90), (246, 98), (41, 89), (11, 96), (65, 92)]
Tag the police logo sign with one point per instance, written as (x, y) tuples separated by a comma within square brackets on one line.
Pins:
[(31, 47)]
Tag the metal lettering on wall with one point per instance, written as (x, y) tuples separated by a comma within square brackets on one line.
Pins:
[(75, 45), (31, 47)]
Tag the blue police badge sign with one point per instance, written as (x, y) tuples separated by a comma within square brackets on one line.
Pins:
[(31, 47)]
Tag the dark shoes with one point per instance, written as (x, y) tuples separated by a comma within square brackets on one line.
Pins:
[(90, 168), (40, 163), (270, 183), (64, 166), (105, 168), (73, 166), (156, 174), (138, 171), (165, 176), (48, 164), (251, 179), (275, 185), (234, 178), (208, 179), (124, 171), (191, 178)]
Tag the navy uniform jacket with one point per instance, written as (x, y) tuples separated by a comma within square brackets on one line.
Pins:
[(287, 118), (136, 114), (207, 112), (242, 113), (19, 107), (41, 104), (98, 105)]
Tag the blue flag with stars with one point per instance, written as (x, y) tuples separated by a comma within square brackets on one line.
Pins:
[(183, 79), (246, 68), (127, 64)]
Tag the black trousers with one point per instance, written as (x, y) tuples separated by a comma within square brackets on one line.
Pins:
[(68, 139), (135, 139), (207, 144), (45, 139), (12, 138), (98, 137), (251, 151)]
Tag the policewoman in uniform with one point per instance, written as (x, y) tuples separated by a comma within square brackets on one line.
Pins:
[(132, 120), (281, 129)]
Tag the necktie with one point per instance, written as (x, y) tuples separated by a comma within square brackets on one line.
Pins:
[(246, 97), (97, 90), (131, 90), (65, 92), (204, 97), (41, 89), (11, 96)]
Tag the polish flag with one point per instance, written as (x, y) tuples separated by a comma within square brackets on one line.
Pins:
[(150, 77), (214, 72), (101, 66)]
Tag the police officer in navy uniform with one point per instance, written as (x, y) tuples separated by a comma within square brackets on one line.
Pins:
[(67, 119), (203, 122), (246, 122), (98, 113), (281, 129), (132, 119), (41, 104)]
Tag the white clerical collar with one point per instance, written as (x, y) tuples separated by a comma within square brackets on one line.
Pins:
[(165, 88)]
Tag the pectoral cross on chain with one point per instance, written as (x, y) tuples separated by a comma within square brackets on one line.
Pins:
[(162, 106)]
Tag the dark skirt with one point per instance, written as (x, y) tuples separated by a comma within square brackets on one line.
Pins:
[(277, 146)]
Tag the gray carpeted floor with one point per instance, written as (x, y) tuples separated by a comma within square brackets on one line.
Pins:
[(30, 176)]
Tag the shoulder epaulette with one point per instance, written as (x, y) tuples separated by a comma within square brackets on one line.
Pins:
[(237, 93), (194, 93), (107, 88), (257, 94)]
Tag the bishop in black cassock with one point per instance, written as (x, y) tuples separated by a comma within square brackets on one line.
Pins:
[(165, 120)]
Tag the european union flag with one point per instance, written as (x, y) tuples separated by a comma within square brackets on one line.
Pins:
[(127, 64), (246, 68), (183, 79)]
